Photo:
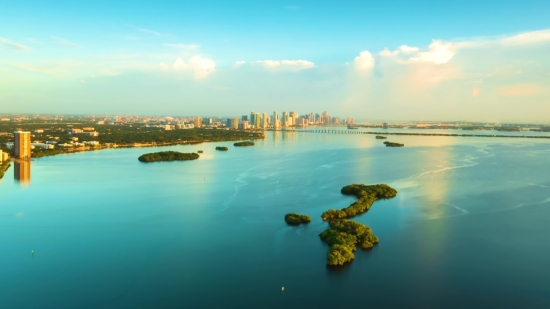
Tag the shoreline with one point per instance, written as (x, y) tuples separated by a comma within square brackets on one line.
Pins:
[(135, 145)]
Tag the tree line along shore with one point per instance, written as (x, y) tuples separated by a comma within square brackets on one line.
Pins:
[(112, 136)]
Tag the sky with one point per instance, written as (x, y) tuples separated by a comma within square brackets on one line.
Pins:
[(372, 60)]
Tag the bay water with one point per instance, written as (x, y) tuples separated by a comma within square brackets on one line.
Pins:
[(470, 226)]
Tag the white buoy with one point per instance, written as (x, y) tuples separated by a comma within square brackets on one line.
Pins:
[(283, 289)]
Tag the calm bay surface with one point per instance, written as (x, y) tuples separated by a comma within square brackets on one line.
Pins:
[(469, 226)]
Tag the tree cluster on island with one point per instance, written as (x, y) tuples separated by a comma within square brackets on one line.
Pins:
[(167, 156), (391, 144), (344, 235), (222, 148), (297, 219), (4, 167), (200, 151), (244, 144), (380, 137)]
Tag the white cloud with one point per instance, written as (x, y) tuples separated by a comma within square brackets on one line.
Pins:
[(200, 67), (179, 65), (439, 52), (292, 65), (364, 61), (404, 49), (183, 46), (13, 44), (82, 81), (526, 38), (388, 53)]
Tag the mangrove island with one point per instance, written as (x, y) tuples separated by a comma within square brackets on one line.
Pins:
[(244, 144), (222, 148), (344, 235), (296, 219), (167, 156), (380, 137), (390, 144)]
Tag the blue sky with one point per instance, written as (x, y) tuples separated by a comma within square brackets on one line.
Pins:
[(185, 57)]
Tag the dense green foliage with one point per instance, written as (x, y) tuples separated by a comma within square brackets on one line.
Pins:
[(244, 144), (167, 156), (200, 151), (366, 195), (3, 167), (344, 235), (380, 137), (123, 135), (296, 219), (222, 148), (390, 144)]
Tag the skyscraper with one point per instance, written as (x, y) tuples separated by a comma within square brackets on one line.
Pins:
[(257, 121), (275, 120), (233, 123), (285, 119), (252, 118), (22, 145), (197, 122), (264, 120)]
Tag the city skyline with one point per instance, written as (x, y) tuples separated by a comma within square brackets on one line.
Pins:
[(368, 60)]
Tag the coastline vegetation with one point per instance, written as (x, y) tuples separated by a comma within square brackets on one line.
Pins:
[(244, 144), (391, 144), (296, 219), (167, 156), (380, 137), (222, 148), (344, 235), (4, 167)]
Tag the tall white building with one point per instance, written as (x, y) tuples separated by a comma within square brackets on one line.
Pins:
[(275, 120)]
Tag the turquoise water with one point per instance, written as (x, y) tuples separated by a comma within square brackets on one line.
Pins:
[(469, 226)]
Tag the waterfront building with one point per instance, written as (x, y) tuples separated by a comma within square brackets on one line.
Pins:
[(285, 119), (233, 123), (275, 120), (244, 125), (244, 118), (197, 121), (252, 118), (22, 145), (264, 120)]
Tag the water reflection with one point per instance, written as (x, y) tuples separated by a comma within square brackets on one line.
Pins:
[(22, 171)]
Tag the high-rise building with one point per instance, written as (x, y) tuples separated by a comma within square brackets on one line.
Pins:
[(243, 125), (275, 120), (264, 120), (285, 119), (197, 122), (257, 121), (252, 118), (233, 123), (22, 145), (244, 118)]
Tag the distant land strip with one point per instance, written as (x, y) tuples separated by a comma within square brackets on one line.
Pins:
[(418, 134)]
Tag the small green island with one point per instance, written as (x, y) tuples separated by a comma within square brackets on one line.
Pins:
[(222, 148), (167, 156), (296, 219), (391, 144), (244, 144), (344, 235), (380, 137), (200, 151)]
